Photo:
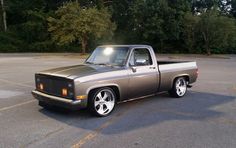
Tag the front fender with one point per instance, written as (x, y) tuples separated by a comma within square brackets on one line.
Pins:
[(101, 85)]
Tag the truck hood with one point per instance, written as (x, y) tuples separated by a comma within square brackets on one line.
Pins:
[(77, 71)]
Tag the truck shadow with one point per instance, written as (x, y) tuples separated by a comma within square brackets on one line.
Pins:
[(196, 106)]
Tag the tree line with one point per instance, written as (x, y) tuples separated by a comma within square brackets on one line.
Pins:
[(170, 26)]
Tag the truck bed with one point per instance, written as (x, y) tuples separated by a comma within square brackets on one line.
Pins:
[(176, 65), (170, 62), (171, 69)]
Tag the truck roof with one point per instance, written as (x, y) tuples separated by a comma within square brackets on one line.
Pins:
[(129, 46)]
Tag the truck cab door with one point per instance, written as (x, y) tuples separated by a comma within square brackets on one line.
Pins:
[(143, 73)]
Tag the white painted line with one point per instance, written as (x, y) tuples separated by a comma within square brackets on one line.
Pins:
[(15, 83), (16, 105), (5, 94)]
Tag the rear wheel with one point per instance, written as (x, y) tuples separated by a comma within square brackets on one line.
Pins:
[(102, 101), (179, 87)]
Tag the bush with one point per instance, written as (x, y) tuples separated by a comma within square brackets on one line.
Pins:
[(9, 42), (45, 46)]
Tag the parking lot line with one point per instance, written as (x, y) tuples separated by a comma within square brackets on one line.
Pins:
[(16, 105), (97, 131), (15, 83)]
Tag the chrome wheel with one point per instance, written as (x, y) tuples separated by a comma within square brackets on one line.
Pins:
[(181, 86), (104, 102)]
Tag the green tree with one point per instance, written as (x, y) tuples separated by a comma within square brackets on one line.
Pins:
[(233, 9), (3, 16), (35, 28), (149, 21), (72, 23), (121, 14), (158, 22), (190, 30), (216, 31), (201, 6)]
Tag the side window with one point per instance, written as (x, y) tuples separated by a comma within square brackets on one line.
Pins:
[(140, 57)]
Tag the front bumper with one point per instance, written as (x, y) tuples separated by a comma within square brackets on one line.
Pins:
[(58, 101)]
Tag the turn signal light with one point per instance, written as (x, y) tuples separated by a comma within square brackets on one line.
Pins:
[(41, 86), (81, 97), (64, 92)]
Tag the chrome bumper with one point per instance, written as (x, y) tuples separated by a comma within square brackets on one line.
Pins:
[(58, 101)]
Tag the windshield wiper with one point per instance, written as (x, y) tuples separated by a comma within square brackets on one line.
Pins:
[(89, 62), (105, 64)]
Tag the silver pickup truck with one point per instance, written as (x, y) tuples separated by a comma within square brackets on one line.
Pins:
[(111, 74)]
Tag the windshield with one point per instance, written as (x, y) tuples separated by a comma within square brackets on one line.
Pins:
[(115, 56)]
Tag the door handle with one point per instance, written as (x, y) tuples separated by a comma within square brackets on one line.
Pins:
[(134, 69), (152, 67)]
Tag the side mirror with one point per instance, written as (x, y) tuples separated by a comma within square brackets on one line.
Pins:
[(140, 62), (133, 68)]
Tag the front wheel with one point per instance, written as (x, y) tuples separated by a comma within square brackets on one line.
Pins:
[(179, 87), (102, 102)]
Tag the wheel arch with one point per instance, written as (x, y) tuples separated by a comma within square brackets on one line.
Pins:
[(114, 87), (186, 76)]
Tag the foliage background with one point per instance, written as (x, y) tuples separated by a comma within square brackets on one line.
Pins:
[(170, 26)]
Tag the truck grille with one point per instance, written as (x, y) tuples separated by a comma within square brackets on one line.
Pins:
[(56, 86)]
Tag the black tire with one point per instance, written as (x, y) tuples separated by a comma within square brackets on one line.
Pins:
[(176, 91), (95, 103)]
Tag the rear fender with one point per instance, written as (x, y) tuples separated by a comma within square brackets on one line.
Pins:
[(180, 75)]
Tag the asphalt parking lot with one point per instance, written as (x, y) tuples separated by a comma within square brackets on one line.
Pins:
[(205, 117)]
